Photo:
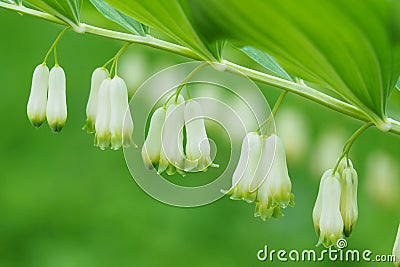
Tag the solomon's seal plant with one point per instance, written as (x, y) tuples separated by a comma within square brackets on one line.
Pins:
[(346, 61)]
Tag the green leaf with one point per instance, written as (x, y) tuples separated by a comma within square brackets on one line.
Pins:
[(14, 2), (120, 18), (351, 47), (66, 10), (266, 61), (172, 18)]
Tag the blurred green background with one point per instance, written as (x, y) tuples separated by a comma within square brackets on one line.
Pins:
[(64, 202)]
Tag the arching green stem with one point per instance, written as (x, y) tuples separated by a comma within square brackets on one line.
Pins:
[(52, 47), (116, 58), (349, 144), (187, 79), (268, 121), (150, 41)]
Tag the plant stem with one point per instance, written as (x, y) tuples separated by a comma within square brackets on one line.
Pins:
[(188, 92), (273, 112), (55, 57), (53, 46), (349, 143), (278, 103), (356, 134), (108, 62), (187, 79), (116, 58), (299, 89)]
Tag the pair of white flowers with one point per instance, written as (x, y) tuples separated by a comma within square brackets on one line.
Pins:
[(107, 111), (261, 175), (47, 99), (164, 142), (335, 212)]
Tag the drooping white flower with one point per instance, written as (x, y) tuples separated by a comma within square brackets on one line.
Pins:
[(280, 186), (98, 76), (152, 146), (172, 154), (264, 207), (348, 198), (127, 130), (396, 249), (102, 137), (36, 108), (275, 192), (248, 162), (197, 145), (330, 222), (120, 118), (56, 111), (318, 203)]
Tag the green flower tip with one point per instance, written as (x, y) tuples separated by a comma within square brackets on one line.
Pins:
[(36, 123), (89, 126), (57, 127), (103, 141)]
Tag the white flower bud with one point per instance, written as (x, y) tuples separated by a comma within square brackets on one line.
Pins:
[(278, 179), (275, 191), (127, 130), (396, 249), (103, 135), (246, 168), (264, 207), (331, 222), (98, 76), (318, 203), (152, 146), (172, 155), (37, 102), (119, 112), (197, 145), (348, 199), (56, 111)]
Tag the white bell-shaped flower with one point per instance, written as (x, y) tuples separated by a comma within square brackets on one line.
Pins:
[(318, 203), (36, 108), (127, 130), (264, 207), (331, 222), (348, 199), (102, 137), (56, 111), (245, 171), (152, 146), (172, 154), (278, 180), (396, 249), (98, 76), (275, 191), (119, 109), (197, 145)]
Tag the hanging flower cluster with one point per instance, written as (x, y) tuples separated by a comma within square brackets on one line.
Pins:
[(262, 176), (107, 111), (335, 212), (164, 143), (47, 99)]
